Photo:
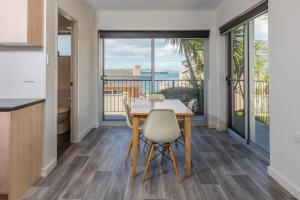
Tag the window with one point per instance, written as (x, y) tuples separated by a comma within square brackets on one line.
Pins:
[(64, 45), (139, 66)]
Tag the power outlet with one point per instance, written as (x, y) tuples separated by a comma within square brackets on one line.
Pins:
[(297, 137)]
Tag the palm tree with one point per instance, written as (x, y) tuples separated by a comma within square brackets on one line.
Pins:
[(191, 49)]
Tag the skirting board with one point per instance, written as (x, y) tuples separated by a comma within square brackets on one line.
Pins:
[(284, 182), (83, 134), (48, 169)]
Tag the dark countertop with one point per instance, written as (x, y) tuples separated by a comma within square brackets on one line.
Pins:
[(7, 105)]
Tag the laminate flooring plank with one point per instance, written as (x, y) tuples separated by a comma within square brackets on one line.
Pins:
[(214, 192), (193, 189), (264, 181), (248, 186), (99, 185), (229, 185), (116, 187), (80, 185), (173, 190), (65, 178), (35, 193)]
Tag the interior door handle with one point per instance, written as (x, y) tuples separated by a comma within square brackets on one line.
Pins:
[(228, 79), (104, 79)]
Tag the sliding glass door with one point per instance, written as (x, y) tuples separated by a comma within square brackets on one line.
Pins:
[(237, 81), (259, 119), (248, 81), (127, 73), (134, 68)]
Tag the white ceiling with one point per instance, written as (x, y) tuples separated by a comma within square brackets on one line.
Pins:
[(150, 5)]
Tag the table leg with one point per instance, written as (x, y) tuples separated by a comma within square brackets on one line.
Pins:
[(135, 144), (188, 144)]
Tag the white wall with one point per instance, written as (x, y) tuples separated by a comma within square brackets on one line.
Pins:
[(284, 96), (159, 20), (84, 15), (22, 73)]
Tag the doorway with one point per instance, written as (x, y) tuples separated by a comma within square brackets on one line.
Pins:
[(248, 82), (66, 84)]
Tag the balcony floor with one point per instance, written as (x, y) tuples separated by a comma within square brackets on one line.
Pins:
[(94, 169)]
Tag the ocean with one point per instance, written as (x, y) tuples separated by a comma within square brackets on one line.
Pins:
[(172, 75), (162, 80)]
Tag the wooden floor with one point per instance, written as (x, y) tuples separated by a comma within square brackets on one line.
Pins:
[(94, 169)]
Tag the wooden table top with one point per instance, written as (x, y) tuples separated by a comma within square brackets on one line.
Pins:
[(143, 107)]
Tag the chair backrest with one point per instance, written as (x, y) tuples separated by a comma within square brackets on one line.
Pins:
[(156, 97), (191, 103), (161, 126), (127, 112)]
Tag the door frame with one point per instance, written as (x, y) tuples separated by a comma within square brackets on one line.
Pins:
[(74, 75)]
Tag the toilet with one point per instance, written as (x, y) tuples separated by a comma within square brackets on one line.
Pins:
[(63, 120)]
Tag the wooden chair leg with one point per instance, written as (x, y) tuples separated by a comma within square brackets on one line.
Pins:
[(128, 150), (145, 145), (149, 157), (175, 165), (166, 146)]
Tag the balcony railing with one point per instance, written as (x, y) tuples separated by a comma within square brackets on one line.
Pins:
[(259, 97), (262, 101), (189, 92)]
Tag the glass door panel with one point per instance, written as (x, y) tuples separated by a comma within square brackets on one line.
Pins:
[(259, 119), (126, 74), (179, 71), (237, 83)]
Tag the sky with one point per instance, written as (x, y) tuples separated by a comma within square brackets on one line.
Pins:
[(261, 28), (126, 53)]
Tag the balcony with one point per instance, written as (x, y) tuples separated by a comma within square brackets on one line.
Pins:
[(190, 92)]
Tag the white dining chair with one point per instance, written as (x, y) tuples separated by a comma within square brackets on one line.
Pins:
[(129, 124), (161, 128), (156, 97)]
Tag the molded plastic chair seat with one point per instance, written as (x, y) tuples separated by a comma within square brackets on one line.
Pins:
[(161, 127)]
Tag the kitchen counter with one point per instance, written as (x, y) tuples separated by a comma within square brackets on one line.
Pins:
[(21, 143), (7, 105)]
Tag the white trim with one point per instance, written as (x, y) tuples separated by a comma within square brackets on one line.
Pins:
[(74, 74), (84, 133), (236, 136), (221, 128), (288, 185), (48, 169), (96, 125)]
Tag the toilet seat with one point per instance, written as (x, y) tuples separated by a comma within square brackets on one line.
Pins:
[(62, 110)]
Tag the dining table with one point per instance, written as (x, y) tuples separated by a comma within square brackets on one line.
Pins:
[(140, 110)]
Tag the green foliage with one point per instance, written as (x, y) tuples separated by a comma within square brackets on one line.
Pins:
[(193, 50), (186, 95)]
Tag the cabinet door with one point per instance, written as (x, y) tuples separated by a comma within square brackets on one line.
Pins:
[(21, 22)]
